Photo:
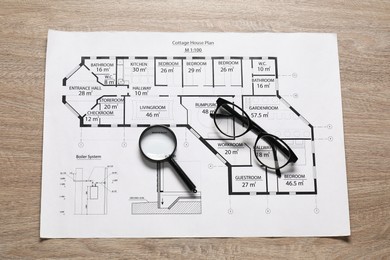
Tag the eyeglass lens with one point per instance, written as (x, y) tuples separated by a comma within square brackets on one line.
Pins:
[(231, 120), (270, 154)]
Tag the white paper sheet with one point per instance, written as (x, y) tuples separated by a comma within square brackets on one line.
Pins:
[(104, 88)]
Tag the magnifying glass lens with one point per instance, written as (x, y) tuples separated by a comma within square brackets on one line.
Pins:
[(158, 143)]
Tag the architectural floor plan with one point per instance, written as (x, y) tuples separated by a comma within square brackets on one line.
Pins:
[(104, 93)]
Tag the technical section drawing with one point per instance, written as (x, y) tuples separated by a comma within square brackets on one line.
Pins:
[(90, 191), (170, 195), (86, 190)]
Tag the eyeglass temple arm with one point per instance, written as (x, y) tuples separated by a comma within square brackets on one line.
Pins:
[(277, 170)]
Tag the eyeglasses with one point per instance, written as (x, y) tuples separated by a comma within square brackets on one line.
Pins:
[(271, 151)]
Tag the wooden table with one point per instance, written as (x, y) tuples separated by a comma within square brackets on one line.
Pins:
[(364, 35)]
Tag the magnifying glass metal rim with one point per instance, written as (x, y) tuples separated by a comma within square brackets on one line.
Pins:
[(156, 126), (191, 186)]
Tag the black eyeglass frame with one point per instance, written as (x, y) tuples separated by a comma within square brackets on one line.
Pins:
[(253, 126)]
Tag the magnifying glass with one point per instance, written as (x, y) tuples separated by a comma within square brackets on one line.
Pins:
[(158, 144)]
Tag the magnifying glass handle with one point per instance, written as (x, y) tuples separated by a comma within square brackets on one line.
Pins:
[(191, 186)]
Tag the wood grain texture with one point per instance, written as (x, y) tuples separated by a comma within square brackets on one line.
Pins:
[(363, 29)]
